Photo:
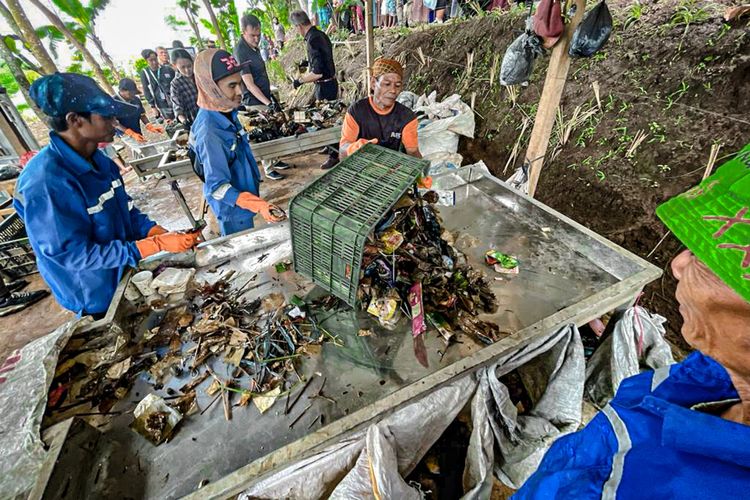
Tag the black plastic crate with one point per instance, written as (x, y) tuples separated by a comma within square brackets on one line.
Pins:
[(16, 255)]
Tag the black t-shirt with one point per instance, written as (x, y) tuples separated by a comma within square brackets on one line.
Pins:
[(257, 68), (320, 53), (387, 129), (132, 122)]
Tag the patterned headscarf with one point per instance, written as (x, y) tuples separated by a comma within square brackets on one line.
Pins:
[(382, 66), (210, 96)]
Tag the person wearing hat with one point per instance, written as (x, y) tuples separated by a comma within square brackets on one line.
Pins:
[(219, 144), (380, 119), (84, 228), (130, 126), (681, 431), (156, 80)]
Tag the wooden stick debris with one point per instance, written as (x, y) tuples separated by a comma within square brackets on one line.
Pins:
[(299, 395), (300, 415)]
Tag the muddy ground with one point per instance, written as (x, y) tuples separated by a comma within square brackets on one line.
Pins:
[(685, 87)]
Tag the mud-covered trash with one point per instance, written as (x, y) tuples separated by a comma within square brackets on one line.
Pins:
[(386, 309), (266, 400), (172, 280), (155, 419), (502, 263), (593, 32), (283, 266)]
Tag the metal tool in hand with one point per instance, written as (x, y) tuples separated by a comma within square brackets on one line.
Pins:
[(197, 225)]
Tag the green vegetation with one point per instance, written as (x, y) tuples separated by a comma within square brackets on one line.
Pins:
[(634, 13)]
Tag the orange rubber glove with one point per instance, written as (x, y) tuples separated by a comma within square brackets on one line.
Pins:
[(156, 230), (255, 204), (154, 128), (425, 182), (359, 144), (135, 135), (167, 242)]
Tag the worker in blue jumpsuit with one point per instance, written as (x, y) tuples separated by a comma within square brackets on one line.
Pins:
[(682, 431), (220, 145), (82, 225)]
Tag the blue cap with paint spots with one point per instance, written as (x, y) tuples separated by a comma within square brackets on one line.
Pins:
[(62, 93)]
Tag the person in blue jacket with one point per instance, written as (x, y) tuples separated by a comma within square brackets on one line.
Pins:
[(220, 144), (681, 431), (82, 225)]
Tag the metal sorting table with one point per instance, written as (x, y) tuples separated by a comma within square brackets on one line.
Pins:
[(268, 150), (567, 275)]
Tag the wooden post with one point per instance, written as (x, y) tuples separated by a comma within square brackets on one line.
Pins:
[(369, 41), (554, 84)]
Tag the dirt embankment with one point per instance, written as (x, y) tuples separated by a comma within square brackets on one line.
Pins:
[(673, 80)]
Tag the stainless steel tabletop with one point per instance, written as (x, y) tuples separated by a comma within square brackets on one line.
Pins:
[(567, 275)]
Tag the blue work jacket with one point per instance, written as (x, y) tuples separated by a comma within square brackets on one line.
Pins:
[(81, 224), (653, 441), (228, 164)]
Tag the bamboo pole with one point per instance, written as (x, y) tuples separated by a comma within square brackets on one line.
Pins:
[(369, 40), (554, 84)]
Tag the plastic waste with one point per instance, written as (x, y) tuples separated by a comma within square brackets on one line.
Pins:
[(593, 32), (518, 62)]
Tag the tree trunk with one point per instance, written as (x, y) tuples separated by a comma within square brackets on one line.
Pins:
[(87, 55), (215, 23), (26, 31), (20, 77), (194, 25), (400, 12), (303, 6), (105, 57)]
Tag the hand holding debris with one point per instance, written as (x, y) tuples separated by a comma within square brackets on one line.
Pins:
[(255, 204)]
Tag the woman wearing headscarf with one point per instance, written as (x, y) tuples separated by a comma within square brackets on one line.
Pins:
[(220, 145)]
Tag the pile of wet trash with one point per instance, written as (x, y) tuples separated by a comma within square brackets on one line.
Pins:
[(411, 268), (246, 349), (267, 125)]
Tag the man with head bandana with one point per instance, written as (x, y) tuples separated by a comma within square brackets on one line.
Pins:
[(220, 144), (379, 119), (84, 228), (681, 431)]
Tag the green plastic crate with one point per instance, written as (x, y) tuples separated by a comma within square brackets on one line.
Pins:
[(332, 217)]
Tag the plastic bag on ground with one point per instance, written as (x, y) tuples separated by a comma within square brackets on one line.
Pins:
[(25, 378), (408, 99), (593, 32), (518, 61), (623, 353), (520, 180), (385, 453), (446, 121), (552, 370)]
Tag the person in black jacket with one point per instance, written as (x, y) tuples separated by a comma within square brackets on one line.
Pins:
[(322, 69), (156, 81)]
